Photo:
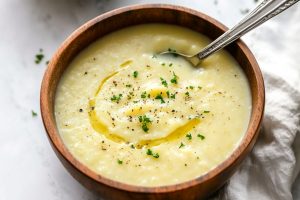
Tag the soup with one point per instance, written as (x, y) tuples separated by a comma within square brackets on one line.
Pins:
[(141, 118)]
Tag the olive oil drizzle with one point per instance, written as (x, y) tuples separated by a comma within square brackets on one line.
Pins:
[(101, 128)]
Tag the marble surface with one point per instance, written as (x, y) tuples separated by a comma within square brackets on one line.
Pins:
[(29, 168)]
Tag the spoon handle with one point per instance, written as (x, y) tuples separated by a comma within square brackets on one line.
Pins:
[(262, 13)]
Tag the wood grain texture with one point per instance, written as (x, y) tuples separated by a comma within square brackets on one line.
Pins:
[(198, 188)]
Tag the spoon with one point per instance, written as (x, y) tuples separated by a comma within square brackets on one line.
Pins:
[(262, 13)]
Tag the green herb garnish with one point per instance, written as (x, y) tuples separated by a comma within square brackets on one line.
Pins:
[(117, 98), (145, 121), (129, 85), (191, 87), (39, 57), (189, 136), (150, 153), (168, 94), (202, 137), (173, 96), (206, 111), (164, 82), (120, 162), (135, 74), (144, 95), (181, 145), (174, 79), (161, 98), (187, 94), (34, 114)]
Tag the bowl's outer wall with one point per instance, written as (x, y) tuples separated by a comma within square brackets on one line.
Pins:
[(195, 189)]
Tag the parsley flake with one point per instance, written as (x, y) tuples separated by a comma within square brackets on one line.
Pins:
[(189, 136), (181, 145), (150, 153), (116, 98), (164, 82), (173, 96), (135, 74), (145, 121), (39, 57), (160, 97), (144, 95), (206, 111), (120, 162), (34, 114), (202, 137), (174, 79)]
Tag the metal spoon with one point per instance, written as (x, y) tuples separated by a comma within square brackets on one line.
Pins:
[(262, 13)]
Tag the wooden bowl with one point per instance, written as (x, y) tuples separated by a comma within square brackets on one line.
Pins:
[(197, 188)]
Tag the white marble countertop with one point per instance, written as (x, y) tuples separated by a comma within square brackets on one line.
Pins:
[(29, 168)]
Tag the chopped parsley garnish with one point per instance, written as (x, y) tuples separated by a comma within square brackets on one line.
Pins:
[(135, 74), (128, 85), (202, 137), (170, 65), (145, 121), (34, 114), (160, 97), (189, 136), (120, 162), (163, 64), (116, 98), (144, 95), (132, 146), (150, 153), (169, 95), (199, 87), (174, 79), (155, 155), (191, 87), (187, 94), (164, 82), (173, 96), (39, 57), (206, 111), (181, 145)]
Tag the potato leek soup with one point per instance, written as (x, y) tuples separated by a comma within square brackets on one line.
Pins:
[(146, 119)]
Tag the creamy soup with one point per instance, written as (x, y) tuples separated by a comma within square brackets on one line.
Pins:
[(146, 119)]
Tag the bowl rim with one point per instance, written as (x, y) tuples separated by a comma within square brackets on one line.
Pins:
[(58, 145)]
